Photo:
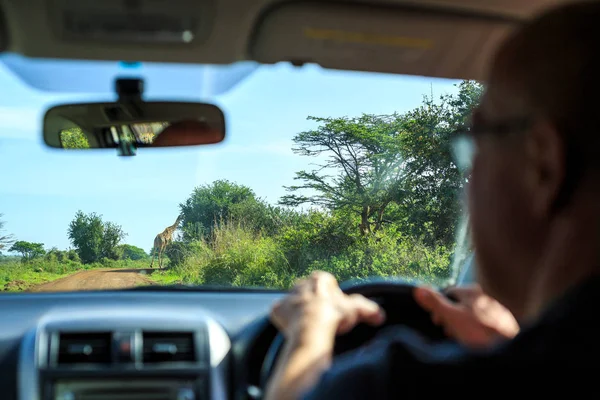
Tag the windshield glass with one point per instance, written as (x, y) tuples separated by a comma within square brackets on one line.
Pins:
[(347, 172)]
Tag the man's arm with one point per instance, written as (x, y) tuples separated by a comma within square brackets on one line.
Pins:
[(300, 365), (308, 371), (310, 318)]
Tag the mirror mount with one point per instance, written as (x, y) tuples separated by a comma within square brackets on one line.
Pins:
[(129, 89), (130, 92), (126, 148)]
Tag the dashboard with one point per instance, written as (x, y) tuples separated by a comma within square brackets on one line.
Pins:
[(160, 344), (164, 345)]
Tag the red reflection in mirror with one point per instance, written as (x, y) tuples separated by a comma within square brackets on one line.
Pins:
[(188, 133)]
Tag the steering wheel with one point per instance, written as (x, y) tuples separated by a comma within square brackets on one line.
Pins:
[(396, 298)]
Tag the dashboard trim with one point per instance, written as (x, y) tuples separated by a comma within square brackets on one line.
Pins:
[(28, 383), (34, 351)]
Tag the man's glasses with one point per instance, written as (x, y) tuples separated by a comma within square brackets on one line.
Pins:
[(463, 152), (463, 142)]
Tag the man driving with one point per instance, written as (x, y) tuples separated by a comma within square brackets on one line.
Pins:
[(534, 206)]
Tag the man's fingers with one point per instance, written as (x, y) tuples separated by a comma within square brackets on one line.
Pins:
[(274, 315), (325, 283), (464, 293), (434, 302), (356, 309), (367, 310)]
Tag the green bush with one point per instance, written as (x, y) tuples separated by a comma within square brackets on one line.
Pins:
[(387, 254), (235, 256), (130, 252), (238, 256)]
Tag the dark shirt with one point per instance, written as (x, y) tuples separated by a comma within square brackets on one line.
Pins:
[(400, 364)]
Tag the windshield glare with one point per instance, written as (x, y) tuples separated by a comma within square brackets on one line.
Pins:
[(346, 172)]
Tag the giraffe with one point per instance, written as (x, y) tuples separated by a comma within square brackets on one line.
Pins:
[(162, 240)]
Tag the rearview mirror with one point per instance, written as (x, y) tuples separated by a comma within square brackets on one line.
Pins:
[(132, 125)]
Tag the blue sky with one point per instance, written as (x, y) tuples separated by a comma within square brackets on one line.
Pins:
[(41, 189)]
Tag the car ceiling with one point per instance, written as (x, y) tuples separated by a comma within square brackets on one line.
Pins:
[(438, 38)]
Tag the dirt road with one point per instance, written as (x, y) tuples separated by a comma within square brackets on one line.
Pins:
[(96, 280)]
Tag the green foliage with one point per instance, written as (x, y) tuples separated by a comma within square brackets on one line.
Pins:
[(238, 256), (93, 238), (56, 255), (363, 173), (394, 169), (235, 256), (430, 208), (385, 254), (226, 202), (209, 204), (130, 252), (387, 192), (177, 252), (28, 250), (74, 138), (318, 236), (17, 276)]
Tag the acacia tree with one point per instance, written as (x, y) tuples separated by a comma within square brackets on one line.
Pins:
[(28, 250), (362, 172), (395, 168), (5, 239)]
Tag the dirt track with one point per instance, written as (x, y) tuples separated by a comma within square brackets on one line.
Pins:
[(96, 280)]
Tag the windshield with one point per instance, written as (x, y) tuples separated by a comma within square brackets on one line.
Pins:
[(346, 172)]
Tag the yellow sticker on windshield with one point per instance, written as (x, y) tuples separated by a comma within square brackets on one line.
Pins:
[(367, 38)]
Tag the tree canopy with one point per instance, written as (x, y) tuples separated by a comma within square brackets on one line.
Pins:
[(93, 238), (363, 173), (389, 168), (74, 139), (224, 202), (28, 250), (130, 252)]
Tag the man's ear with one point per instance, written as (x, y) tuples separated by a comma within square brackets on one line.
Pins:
[(545, 167)]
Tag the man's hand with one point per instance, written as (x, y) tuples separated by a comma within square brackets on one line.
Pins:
[(310, 317), (475, 320), (318, 303)]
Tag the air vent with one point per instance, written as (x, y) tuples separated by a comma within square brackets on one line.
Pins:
[(84, 348), (168, 347)]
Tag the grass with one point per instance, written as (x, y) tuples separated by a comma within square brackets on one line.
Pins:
[(166, 277), (28, 279), (17, 276)]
